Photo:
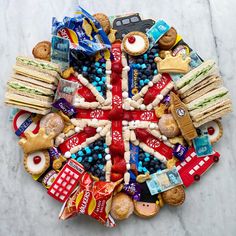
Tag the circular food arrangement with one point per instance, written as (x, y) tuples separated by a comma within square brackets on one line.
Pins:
[(116, 115)]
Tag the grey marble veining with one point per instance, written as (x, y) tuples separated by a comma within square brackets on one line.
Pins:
[(25, 209)]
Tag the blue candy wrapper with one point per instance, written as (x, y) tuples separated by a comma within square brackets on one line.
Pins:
[(60, 52), (157, 31), (83, 31), (202, 146)]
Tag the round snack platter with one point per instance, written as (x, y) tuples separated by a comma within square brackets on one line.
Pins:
[(116, 115)]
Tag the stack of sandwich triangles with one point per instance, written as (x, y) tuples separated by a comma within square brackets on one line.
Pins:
[(32, 85), (202, 91)]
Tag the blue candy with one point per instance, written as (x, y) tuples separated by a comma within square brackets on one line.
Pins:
[(97, 79), (94, 83), (147, 159), (143, 66), (104, 79), (79, 159), (144, 169), (155, 72), (99, 89), (100, 156), (73, 156), (100, 82), (99, 70), (97, 64), (140, 169), (147, 154), (96, 147), (101, 166), (90, 159), (145, 56), (85, 68), (80, 153), (87, 150), (141, 82)]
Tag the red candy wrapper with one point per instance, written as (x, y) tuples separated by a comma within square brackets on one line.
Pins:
[(91, 198)]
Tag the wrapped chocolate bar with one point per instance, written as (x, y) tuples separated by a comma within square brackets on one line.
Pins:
[(64, 106), (66, 89), (133, 190), (84, 32), (180, 151)]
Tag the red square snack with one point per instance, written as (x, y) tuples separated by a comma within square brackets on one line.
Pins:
[(66, 181)]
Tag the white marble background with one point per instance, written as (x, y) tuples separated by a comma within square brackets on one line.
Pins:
[(26, 209)]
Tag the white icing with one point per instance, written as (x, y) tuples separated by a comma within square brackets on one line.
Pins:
[(36, 167), (137, 46)]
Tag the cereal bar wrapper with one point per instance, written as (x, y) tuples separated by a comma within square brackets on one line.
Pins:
[(83, 31), (91, 198)]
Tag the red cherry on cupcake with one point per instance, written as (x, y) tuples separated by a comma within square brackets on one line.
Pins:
[(37, 159), (211, 130), (131, 39)]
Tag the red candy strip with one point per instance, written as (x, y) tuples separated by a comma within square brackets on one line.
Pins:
[(151, 141), (156, 88), (92, 114), (86, 93), (77, 139)]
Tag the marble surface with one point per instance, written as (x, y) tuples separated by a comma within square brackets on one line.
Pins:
[(26, 209)]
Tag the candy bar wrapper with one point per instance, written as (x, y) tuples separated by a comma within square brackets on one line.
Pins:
[(60, 51), (180, 151), (64, 106), (133, 190), (84, 32), (66, 89), (91, 198), (157, 31), (202, 145)]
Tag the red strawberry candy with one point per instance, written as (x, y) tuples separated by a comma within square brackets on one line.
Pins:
[(141, 134), (119, 167), (90, 131), (116, 176)]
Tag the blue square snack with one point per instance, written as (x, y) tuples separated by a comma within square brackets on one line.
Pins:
[(202, 146)]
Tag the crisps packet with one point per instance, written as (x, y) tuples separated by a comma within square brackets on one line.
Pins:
[(91, 198), (83, 31)]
